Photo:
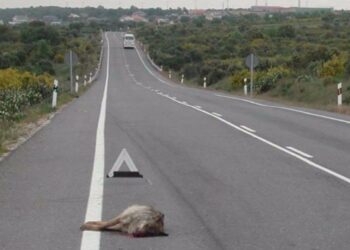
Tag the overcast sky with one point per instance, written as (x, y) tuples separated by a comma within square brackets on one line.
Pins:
[(338, 4)]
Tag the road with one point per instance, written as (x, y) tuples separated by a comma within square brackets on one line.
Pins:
[(228, 172)]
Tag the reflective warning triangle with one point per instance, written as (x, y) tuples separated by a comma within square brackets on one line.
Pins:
[(124, 157)]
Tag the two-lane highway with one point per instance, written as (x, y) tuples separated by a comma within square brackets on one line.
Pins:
[(228, 173)]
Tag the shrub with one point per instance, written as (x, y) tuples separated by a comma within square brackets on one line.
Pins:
[(333, 67), (21, 89), (237, 79), (59, 58), (267, 80)]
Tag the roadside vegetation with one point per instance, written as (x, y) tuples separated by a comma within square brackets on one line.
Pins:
[(32, 56), (302, 56)]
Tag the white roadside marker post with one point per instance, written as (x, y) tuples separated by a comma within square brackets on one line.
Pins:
[(54, 94), (90, 80), (245, 87), (182, 78), (205, 82), (76, 84), (340, 94), (169, 74), (85, 80), (161, 68)]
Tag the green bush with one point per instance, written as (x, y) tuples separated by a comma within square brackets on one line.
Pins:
[(237, 79), (267, 80), (19, 90)]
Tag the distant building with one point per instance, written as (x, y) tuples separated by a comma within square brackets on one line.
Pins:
[(308, 10), (241, 12), (139, 13), (50, 19), (57, 23), (19, 20), (160, 20), (268, 9), (214, 14), (73, 16), (138, 16), (278, 9), (124, 19)]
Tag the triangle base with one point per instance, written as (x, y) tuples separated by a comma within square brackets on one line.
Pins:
[(126, 174)]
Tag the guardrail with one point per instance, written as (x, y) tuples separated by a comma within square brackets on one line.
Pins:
[(159, 68), (98, 69), (153, 63)]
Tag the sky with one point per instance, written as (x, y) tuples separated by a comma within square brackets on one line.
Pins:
[(190, 4)]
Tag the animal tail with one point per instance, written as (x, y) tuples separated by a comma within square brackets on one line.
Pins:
[(99, 225)]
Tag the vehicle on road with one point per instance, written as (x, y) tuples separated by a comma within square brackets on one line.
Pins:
[(129, 41)]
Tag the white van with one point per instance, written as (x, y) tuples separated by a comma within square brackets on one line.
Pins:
[(129, 41)]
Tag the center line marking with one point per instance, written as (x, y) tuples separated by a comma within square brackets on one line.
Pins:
[(272, 144), (248, 129), (300, 152)]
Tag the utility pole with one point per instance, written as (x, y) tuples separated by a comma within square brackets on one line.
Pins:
[(71, 70), (299, 4)]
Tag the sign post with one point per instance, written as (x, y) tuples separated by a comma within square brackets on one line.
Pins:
[(71, 58), (251, 62)]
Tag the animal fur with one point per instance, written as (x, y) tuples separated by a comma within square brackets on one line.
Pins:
[(136, 221)]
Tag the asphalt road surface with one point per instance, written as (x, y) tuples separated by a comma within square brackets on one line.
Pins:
[(228, 172)]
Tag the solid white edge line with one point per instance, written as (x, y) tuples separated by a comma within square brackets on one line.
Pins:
[(91, 240), (217, 114), (248, 129), (285, 108), (150, 71), (300, 152), (274, 145)]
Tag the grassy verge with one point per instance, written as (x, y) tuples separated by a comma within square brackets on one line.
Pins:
[(12, 131), (313, 94)]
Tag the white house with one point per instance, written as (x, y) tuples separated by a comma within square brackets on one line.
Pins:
[(19, 20)]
